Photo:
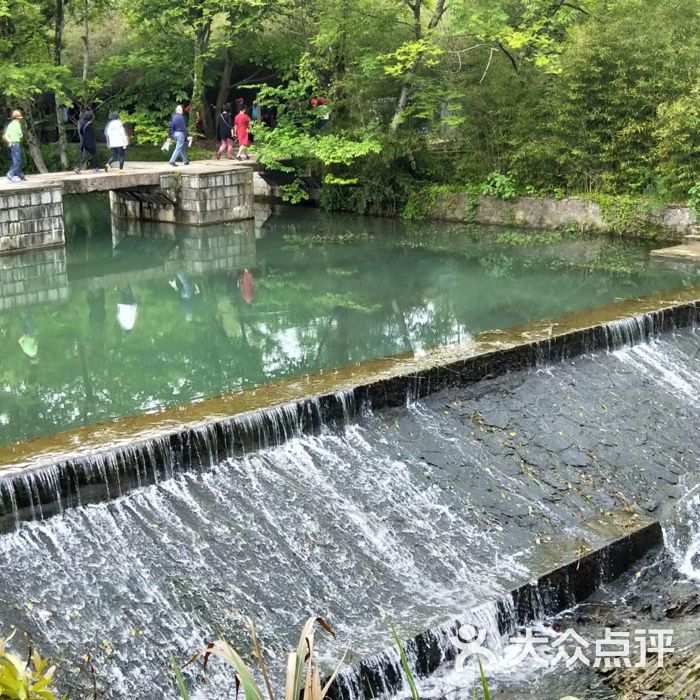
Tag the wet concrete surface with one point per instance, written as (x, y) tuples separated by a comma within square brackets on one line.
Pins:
[(414, 514), (559, 445)]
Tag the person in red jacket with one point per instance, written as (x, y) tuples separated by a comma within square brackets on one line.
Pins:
[(241, 124)]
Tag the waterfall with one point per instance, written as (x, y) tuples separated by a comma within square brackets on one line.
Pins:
[(683, 535), (37, 492)]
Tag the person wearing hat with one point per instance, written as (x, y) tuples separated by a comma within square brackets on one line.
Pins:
[(13, 138)]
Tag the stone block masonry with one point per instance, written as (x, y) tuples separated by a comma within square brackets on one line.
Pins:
[(227, 249), (198, 199), (33, 277), (31, 219)]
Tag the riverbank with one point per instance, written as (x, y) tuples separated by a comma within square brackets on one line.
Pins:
[(629, 216)]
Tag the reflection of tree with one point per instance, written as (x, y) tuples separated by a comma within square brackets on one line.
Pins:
[(316, 306)]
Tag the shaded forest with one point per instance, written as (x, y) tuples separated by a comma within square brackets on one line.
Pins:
[(533, 96)]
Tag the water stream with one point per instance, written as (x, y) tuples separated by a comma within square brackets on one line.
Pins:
[(138, 318), (409, 517)]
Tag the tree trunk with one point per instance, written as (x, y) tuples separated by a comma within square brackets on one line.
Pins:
[(86, 48), (224, 85), (207, 125), (32, 141), (57, 44), (400, 107), (416, 9), (201, 44)]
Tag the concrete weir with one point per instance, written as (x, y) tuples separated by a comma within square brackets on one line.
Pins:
[(201, 193), (547, 594), (48, 475)]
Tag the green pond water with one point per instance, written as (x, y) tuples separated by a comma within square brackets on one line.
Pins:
[(133, 318)]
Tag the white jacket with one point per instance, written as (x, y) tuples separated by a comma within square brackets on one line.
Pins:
[(116, 135)]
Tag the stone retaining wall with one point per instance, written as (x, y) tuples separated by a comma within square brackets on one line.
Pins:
[(31, 219), (543, 213)]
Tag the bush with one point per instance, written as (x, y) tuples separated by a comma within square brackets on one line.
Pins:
[(677, 135)]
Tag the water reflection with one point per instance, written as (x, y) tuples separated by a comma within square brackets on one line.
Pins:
[(137, 316)]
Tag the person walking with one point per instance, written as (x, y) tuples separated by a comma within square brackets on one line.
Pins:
[(242, 123), (88, 142), (13, 138), (178, 132), (224, 132), (117, 141)]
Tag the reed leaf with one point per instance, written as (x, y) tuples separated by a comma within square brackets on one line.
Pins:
[(228, 654), (179, 679), (484, 682), (259, 657), (406, 666)]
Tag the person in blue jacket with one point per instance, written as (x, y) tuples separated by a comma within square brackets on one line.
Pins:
[(178, 132)]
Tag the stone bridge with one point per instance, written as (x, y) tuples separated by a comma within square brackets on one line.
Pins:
[(203, 192)]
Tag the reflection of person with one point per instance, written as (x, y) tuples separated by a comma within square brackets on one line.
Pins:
[(246, 285), (187, 290), (97, 313), (242, 123), (28, 341), (127, 309)]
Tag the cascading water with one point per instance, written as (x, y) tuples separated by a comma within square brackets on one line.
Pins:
[(683, 535), (410, 517), (328, 523)]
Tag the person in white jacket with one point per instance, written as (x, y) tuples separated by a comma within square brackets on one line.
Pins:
[(117, 140)]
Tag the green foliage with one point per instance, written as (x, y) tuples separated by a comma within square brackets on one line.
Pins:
[(421, 203), (500, 185), (677, 135), (601, 97), (694, 200), (24, 680), (626, 214)]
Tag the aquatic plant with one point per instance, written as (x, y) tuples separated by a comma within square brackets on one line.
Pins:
[(405, 665), (24, 680), (303, 673)]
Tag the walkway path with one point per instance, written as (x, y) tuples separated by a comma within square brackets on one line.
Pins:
[(135, 174)]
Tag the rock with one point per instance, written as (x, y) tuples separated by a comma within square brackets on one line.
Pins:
[(574, 458), (650, 506)]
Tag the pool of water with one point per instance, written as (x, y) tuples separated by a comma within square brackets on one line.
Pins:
[(134, 318)]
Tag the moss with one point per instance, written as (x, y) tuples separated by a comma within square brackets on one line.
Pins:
[(426, 199), (627, 214)]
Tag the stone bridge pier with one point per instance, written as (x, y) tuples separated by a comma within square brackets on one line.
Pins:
[(31, 218), (197, 199), (201, 193)]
